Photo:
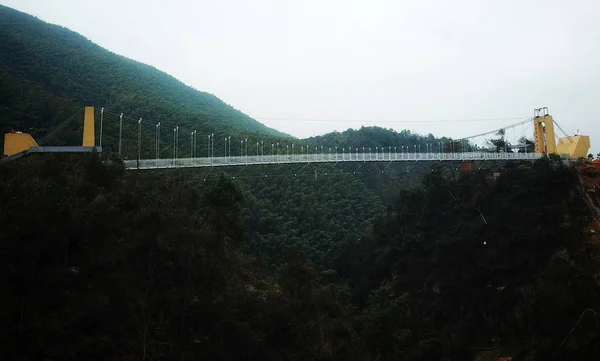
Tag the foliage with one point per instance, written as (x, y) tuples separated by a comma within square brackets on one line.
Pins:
[(526, 145), (379, 140), (311, 209), (499, 144), (48, 72), (313, 214), (101, 262), (317, 262), (483, 264)]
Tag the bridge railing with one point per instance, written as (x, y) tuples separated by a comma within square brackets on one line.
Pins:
[(321, 158)]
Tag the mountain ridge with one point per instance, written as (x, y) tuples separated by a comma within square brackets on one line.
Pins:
[(66, 65), (48, 72)]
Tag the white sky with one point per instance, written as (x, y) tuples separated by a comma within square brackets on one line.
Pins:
[(375, 60)]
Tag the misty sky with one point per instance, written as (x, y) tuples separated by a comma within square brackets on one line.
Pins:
[(396, 64)]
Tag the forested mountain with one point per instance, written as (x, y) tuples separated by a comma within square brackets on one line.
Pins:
[(98, 263), (48, 73), (357, 261), (385, 140), (314, 215), (313, 209)]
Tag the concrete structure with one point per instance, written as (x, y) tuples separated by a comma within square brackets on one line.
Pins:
[(89, 139), (18, 144), (543, 132), (576, 146)]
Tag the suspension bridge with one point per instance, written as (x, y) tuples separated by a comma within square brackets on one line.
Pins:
[(384, 156), (137, 153)]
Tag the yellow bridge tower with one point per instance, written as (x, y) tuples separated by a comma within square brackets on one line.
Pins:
[(576, 146)]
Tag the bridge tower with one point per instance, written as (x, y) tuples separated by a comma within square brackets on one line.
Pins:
[(543, 131), (89, 139)]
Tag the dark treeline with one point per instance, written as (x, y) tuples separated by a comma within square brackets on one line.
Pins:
[(98, 263), (382, 140)]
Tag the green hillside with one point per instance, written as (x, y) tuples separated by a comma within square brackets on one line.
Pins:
[(362, 261), (48, 73), (101, 263), (380, 137), (383, 178)]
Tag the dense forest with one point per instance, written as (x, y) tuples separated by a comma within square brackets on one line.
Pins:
[(48, 73), (101, 263), (360, 261), (313, 209)]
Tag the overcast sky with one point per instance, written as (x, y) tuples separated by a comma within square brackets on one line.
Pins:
[(397, 64)]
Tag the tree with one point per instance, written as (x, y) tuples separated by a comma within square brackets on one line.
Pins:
[(499, 144), (526, 145)]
